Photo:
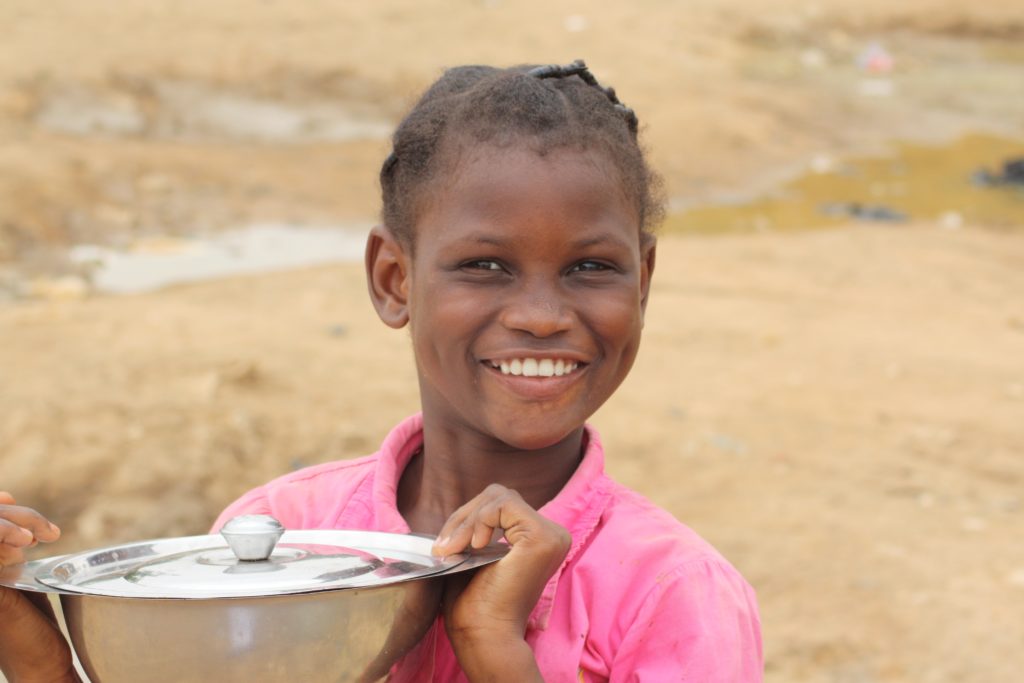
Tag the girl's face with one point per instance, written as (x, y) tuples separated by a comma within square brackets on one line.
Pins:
[(526, 293)]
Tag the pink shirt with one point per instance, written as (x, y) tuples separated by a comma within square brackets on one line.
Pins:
[(640, 597)]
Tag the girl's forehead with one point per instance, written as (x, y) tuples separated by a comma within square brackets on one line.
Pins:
[(503, 193), (494, 172), (467, 158)]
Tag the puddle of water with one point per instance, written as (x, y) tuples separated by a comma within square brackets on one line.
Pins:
[(1008, 51), (261, 248), (925, 183)]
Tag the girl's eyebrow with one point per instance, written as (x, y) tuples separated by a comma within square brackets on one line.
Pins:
[(582, 243), (489, 239), (602, 238)]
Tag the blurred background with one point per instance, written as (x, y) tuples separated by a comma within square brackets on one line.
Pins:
[(831, 388)]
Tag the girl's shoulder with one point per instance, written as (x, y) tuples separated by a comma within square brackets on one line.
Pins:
[(641, 553), (629, 526), (650, 594)]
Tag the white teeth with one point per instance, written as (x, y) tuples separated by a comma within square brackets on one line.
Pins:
[(534, 367)]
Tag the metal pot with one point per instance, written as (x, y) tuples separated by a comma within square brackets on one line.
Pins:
[(323, 605)]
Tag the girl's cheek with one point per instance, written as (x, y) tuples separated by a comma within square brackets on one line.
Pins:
[(619, 314)]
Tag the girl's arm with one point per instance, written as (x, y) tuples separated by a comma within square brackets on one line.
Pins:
[(31, 646), (486, 612)]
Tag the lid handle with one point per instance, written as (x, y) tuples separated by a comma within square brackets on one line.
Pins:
[(252, 537)]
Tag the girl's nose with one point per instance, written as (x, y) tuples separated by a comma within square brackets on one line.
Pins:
[(538, 314)]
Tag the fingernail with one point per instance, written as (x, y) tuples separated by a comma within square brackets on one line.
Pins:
[(441, 542)]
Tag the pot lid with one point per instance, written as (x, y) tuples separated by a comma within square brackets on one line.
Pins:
[(202, 567)]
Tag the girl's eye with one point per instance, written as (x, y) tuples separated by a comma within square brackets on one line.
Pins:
[(589, 267), (482, 264)]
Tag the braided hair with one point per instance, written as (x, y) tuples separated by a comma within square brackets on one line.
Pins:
[(549, 107)]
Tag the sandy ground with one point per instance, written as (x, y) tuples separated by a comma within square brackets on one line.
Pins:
[(838, 411)]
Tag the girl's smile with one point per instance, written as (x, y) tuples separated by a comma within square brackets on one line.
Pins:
[(526, 289), (533, 367), (536, 377)]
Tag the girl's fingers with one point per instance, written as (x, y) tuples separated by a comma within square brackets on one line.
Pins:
[(9, 555), (6, 498), (501, 512), (482, 534), (474, 524), (455, 539), (15, 536), (460, 516), (22, 526), (457, 532)]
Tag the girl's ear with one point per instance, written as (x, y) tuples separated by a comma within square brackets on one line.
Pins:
[(648, 249), (388, 269)]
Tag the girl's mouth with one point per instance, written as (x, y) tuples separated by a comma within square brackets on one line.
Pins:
[(537, 379), (535, 367)]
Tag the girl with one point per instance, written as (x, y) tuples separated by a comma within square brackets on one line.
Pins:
[(516, 245)]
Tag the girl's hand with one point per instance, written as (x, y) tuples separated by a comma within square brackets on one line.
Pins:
[(31, 646), (486, 611), (21, 528)]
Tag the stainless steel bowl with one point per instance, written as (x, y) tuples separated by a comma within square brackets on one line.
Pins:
[(352, 628), (344, 635)]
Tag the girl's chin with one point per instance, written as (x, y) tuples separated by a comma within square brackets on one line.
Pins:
[(527, 437)]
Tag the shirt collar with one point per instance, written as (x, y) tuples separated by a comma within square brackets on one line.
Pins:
[(577, 507), (404, 441)]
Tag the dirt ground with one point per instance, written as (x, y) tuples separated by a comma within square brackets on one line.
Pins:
[(839, 411)]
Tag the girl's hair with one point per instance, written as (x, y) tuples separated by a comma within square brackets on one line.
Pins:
[(550, 107)]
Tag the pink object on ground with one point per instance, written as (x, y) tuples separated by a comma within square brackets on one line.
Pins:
[(640, 597)]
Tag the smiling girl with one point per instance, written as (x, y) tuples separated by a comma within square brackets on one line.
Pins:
[(516, 247)]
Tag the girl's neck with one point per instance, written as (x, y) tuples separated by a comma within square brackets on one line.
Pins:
[(454, 466)]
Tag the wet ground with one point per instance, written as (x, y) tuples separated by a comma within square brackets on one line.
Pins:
[(942, 184), (156, 263)]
